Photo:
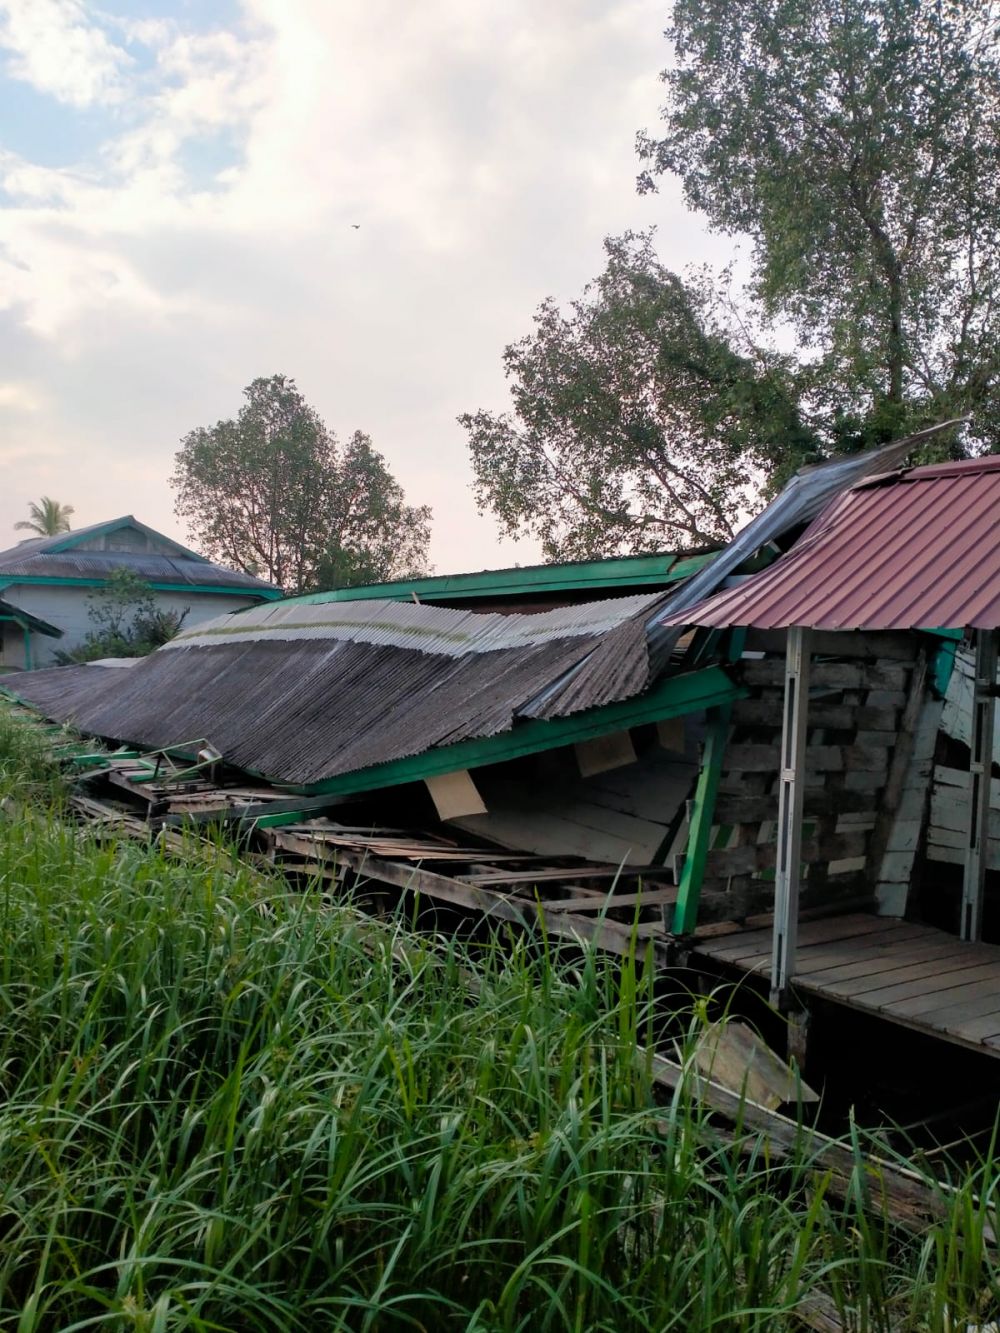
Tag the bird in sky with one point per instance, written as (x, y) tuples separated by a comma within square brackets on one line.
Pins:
[(356, 226)]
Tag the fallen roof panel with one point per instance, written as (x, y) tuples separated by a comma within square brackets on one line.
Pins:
[(305, 698)]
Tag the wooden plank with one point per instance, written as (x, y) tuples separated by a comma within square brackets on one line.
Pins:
[(766, 712), (984, 1030), (872, 645), (603, 753), (894, 1191), (899, 936), (600, 903), (978, 1000), (818, 956), (929, 984), (740, 808), (455, 794), (572, 873), (912, 977), (837, 675), (810, 932), (700, 821), (761, 855), (889, 958)]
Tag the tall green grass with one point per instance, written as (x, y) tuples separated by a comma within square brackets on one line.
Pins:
[(224, 1107)]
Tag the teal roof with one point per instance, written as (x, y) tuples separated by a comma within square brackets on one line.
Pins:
[(617, 572)]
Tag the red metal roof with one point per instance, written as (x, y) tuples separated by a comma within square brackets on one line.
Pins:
[(917, 549)]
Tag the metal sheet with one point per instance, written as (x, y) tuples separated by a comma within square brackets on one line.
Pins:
[(917, 549), (804, 497), (98, 565), (304, 707)]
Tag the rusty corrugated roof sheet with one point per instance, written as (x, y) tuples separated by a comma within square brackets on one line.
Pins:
[(916, 549), (302, 694)]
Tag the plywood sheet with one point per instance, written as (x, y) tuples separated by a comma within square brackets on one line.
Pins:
[(604, 753), (455, 794)]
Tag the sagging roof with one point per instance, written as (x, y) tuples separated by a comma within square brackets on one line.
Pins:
[(912, 549), (16, 613), (302, 694), (65, 559)]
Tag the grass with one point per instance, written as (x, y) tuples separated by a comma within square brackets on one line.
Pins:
[(227, 1107)]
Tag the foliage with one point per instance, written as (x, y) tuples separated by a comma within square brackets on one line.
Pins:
[(273, 493), (48, 519), (637, 425), (228, 1107), (127, 621), (857, 142)]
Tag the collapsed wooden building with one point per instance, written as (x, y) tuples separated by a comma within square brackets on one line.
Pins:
[(776, 759)]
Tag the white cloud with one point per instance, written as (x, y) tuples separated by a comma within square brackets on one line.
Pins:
[(56, 47), (485, 150), (19, 397)]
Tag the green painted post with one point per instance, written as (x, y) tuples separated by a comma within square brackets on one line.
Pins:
[(27, 645), (702, 814)]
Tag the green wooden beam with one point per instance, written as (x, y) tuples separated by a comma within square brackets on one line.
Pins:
[(702, 815), (672, 697), (942, 659), (585, 575)]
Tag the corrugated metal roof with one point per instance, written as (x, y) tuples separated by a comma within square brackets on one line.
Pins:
[(18, 563), (60, 557), (804, 496), (302, 706), (433, 629), (917, 549)]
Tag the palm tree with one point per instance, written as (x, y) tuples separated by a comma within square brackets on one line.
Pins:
[(47, 519)]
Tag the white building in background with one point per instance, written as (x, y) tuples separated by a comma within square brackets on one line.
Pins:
[(45, 583)]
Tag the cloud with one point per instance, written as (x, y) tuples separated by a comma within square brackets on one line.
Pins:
[(19, 397), (56, 47), (206, 236)]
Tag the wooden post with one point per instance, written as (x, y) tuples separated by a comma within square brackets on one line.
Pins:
[(702, 814), (791, 783), (981, 775)]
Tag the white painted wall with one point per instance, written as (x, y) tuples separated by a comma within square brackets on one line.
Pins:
[(68, 609)]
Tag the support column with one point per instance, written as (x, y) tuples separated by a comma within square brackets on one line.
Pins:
[(981, 773), (685, 914), (791, 783), (28, 663)]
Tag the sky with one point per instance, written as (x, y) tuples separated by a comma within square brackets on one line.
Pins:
[(179, 186)]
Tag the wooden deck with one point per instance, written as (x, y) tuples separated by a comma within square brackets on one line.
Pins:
[(915, 975)]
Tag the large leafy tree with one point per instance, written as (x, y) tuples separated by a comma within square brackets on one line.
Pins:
[(857, 142), (273, 493), (48, 519), (637, 425)]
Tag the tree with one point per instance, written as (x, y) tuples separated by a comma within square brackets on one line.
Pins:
[(126, 620), (274, 494), (636, 423), (48, 519), (857, 142)]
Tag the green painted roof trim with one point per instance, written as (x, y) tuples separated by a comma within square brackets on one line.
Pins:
[(73, 539), (45, 581), (26, 619), (672, 697), (620, 571)]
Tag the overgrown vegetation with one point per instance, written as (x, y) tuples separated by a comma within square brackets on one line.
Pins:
[(127, 621), (225, 1106)]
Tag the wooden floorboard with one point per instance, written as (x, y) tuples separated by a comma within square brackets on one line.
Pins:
[(914, 975)]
